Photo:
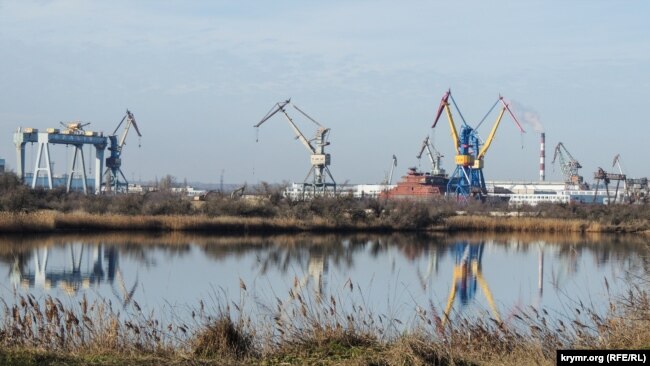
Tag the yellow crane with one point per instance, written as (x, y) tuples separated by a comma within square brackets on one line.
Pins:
[(467, 272), (467, 179)]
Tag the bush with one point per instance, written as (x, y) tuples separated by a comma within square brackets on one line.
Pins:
[(163, 203), (223, 338), (222, 206), (127, 204)]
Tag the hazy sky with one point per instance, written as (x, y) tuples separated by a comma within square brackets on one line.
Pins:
[(198, 75)]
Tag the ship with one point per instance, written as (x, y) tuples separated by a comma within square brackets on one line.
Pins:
[(419, 186)]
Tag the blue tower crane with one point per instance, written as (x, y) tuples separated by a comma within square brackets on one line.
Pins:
[(467, 179), (112, 180)]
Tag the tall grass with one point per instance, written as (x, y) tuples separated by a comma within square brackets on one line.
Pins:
[(52, 221), (303, 327), (520, 224)]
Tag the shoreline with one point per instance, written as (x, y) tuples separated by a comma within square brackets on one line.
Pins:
[(81, 222)]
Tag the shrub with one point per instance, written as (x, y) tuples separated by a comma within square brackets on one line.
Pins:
[(223, 338), (163, 203)]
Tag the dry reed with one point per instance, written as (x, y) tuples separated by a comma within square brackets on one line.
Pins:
[(520, 224), (305, 328)]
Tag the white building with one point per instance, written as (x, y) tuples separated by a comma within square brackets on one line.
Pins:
[(189, 191), (295, 191)]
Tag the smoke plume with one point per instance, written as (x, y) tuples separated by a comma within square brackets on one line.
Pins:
[(527, 116)]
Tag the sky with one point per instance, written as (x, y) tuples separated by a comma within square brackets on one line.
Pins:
[(198, 75)]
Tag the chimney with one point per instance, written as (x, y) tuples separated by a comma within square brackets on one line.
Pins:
[(542, 158)]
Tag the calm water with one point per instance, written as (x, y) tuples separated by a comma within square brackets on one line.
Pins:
[(390, 274)]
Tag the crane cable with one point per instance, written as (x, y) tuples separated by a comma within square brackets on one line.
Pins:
[(457, 109), (487, 114)]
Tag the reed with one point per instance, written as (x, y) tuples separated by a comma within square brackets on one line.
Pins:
[(403, 217), (304, 327), (520, 224), (42, 221)]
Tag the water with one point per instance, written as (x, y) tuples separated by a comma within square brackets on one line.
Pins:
[(392, 275)]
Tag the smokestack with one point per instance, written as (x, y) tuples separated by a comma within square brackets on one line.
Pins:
[(542, 158)]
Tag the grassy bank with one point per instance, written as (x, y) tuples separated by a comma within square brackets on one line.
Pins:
[(306, 329), (52, 221), (26, 210)]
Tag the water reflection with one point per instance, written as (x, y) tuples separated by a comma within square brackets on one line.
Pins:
[(466, 274), (460, 274)]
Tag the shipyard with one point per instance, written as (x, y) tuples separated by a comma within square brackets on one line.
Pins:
[(323, 183), (466, 182)]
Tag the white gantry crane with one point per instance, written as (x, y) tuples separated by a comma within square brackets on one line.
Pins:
[(114, 162), (319, 185), (434, 156)]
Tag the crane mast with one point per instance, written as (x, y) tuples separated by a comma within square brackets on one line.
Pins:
[(435, 157), (320, 160), (114, 179)]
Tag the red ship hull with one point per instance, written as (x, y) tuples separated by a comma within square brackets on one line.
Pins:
[(418, 185)]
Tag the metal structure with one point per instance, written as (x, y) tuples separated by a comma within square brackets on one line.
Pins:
[(113, 173), (434, 156), (389, 177), (73, 135), (75, 266), (569, 166), (615, 162), (601, 175), (319, 159), (467, 179)]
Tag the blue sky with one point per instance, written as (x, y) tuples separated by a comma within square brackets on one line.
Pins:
[(198, 75)]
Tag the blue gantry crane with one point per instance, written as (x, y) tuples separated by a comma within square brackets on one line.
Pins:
[(112, 180), (467, 179)]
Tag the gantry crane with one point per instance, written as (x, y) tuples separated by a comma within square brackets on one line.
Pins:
[(467, 179), (601, 175), (569, 166), (319, 159), (467, 274), (112, 180), (434, 156)]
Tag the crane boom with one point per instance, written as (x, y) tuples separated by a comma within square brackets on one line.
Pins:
[(434, 156), (424, 146), (490, 138), (444, 105), (280, 107), (130, 121)]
